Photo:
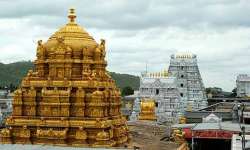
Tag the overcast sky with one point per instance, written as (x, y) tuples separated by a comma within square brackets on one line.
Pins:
[(139, 31)]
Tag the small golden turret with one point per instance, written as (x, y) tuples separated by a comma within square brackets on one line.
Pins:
[(147, 110)]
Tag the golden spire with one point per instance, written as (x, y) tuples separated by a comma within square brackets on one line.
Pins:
[(72, 15), (79, 42)]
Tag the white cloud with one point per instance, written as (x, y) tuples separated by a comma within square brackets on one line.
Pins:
[(139, 32)]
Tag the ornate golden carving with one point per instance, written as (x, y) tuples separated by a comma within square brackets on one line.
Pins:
[(102, 47), (81, 134), (102, 136), (40, 50), (69, 98), (6, 132), (25, 132), (51, 134)]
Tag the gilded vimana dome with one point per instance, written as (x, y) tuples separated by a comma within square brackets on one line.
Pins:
[(69, 98)]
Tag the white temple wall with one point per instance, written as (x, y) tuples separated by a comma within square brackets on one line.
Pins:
[(243, 85)]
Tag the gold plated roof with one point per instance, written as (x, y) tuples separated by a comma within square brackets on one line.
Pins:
[(69, 99), (73, 34)]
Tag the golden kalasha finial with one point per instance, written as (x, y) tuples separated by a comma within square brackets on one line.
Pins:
[(72, 15)]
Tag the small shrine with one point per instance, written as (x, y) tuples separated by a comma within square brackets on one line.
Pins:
[(69, 98), (147, 110)]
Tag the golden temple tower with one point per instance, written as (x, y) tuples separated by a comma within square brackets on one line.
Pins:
[(69, 99), (147, 110)]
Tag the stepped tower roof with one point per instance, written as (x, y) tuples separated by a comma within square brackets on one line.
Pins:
[(73, 35)]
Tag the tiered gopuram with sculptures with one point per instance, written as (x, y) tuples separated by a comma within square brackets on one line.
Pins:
[(69, 98)]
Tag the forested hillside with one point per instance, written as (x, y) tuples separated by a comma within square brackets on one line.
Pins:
[(126, 80), (14, 72)]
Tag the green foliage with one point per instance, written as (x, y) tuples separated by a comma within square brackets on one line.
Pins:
[(127, 91), (219, 92), (214, 90), (125, 80), (12, 74), (234, 92)]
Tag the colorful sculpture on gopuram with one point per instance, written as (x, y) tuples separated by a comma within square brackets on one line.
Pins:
[(69, 99)]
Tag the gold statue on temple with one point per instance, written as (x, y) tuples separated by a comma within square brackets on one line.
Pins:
[(68, 99), (147, 110)]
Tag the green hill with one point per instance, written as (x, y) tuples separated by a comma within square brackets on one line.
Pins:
[(14, 72), (124, 80)]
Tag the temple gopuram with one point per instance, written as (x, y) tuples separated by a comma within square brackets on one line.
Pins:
[(69, 99)]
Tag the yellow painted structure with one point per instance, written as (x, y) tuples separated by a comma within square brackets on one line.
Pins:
[(69, 99), (147, 110)]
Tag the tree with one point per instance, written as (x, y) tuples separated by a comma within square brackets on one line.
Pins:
[(12, 87), (208, 90), (127, 91), (234, 92)]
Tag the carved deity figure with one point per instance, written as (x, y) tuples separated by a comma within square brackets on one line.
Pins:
[(60, 47), (93, 74), (102, 48), (5, 132), (100, 51), (40, 50), (25, 132), (81, 134), (30, 72)]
